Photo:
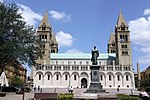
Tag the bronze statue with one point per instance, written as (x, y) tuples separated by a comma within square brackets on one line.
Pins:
[(95, 54)]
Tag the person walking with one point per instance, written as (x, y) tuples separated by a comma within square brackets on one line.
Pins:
[(35, 88), (38, 88), (71, 89)]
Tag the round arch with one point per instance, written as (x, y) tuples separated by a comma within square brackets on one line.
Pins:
[(66, 73), (84, 83), (127, 73), (84, 74), (57, 73), (39, 72), (102, 73), (75, 73), (118, 73), (48, 73), (110, 73)]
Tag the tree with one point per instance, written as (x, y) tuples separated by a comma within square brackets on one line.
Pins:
[(16, 81), (145, 83), (17, 40)]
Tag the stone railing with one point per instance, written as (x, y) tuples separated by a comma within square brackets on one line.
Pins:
[(84, 67)]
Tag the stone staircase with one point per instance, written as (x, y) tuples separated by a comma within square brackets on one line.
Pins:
[(79, 93)]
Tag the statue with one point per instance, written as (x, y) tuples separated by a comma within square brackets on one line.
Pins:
[(95, 54)]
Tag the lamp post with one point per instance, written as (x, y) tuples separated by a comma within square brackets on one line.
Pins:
[(23, 91)]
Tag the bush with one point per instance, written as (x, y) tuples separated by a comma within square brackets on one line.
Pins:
[(147, 89), (126, 97), (66, 96), (9, 89), (2, 94)]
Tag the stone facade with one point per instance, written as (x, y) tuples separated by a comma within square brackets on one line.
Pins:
[(64, 69)]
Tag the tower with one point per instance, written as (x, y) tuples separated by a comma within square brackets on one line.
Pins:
[(122, 38), (54, 44), (111, 44), (138, 76), (44, 32)]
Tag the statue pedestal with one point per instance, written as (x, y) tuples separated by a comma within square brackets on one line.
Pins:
[(95, 85)]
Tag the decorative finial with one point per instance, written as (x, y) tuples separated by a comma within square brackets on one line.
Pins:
[(137, 62), (46, 11), (120, 11)]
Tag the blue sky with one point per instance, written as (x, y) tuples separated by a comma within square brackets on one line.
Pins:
[(81, 24)]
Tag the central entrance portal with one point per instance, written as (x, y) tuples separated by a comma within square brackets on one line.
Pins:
[(83, 83)]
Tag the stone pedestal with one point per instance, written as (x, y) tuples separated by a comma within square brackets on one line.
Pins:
[(95, 85)]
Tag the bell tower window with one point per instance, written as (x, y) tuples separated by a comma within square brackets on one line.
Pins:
[(43, 28), (46, 37), (123, 27)]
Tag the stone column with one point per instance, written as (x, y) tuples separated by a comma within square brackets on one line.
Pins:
[(122, 81), (114, 80), (105, 79)]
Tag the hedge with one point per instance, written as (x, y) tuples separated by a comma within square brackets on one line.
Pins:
[(126, 97)]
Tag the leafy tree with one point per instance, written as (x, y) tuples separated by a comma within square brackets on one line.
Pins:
[(145, 83), (17, 39), (16, 81)]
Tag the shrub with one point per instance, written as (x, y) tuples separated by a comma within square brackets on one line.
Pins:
[(147, 89), (65, 96), (126, 97), (2, 94)]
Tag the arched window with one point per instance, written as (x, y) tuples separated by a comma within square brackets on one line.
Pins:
[(122, 28), (66, 77), (109, 77), (127, 78), (101, 77), (87, 62), (75, 77), (43, 28), (57, 77), (56, 62), (80, 62), (113, 44), (118, 77), (74, 62), (46, 37), (48, 77), (39, 76)]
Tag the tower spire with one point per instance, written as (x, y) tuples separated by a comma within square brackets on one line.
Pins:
[(121, 20), (45, 20), (111, 38)]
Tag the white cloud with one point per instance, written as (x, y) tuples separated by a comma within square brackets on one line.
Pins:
[(140, 31), (2, 1), (145, 49), (145, 59), (140, 35), (59, 15), (146, 11), (29, 15), (73, 51), (64, 39)]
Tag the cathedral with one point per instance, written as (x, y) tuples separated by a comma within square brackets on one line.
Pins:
[(73, 69)]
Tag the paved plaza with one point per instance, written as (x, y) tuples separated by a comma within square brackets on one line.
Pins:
[(78, 93)]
